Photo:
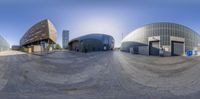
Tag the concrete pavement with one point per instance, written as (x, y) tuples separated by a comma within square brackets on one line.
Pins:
[(97, 75)]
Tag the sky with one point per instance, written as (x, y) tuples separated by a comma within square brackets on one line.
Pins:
[(114, 17)]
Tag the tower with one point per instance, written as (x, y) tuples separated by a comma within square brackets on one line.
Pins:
[(65, 39)]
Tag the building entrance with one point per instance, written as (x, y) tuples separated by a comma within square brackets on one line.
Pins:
[(154, 48)]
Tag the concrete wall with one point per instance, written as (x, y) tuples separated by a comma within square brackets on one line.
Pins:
[(167, 50), (36, 48), (144, 50)]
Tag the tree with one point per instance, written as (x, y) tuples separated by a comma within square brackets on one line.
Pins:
[(58, 46), (49, 46)]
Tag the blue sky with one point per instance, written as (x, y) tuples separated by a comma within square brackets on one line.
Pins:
[(81, 17)]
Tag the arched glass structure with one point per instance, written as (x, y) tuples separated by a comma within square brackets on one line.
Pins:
[(4, 45), (170, 37)]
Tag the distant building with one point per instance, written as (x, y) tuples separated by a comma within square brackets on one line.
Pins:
[(41, 34), (16, 47), (65, 39), (4, 45), (92, 42)]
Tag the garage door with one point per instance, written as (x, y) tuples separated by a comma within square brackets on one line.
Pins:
[(154, 48), (177, 48)]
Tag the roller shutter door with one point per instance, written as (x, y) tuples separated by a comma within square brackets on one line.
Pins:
[(177, 48)]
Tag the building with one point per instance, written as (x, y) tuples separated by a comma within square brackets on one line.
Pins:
[(4, 45), (65, 39), (16, 47), (41, 34), (163, 38), (92, 42)]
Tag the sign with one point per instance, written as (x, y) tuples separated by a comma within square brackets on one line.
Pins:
[(167, 49)]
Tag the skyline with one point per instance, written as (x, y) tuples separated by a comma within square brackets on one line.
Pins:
[(82, 17)]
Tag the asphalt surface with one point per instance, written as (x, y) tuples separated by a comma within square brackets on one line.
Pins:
[(98, 75)]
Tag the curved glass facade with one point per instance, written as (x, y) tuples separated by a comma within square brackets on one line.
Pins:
[(166, 32), (92, 42), (4, 45)]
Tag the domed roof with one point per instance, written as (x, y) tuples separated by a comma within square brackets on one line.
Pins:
[(97, 36)]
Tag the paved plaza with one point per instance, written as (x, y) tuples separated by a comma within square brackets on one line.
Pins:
[(97, 75)]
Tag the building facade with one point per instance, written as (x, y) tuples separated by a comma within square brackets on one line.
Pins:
[(65, 39), (92, 42), (4, 45), (16, 47), (168, 39), (42, 33)]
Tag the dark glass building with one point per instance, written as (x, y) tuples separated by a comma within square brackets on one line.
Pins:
[(92, 42), (4, 45), (164, 38), (65, 39)]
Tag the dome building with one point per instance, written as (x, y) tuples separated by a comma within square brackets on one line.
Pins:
[(168, 39), (92, 42)]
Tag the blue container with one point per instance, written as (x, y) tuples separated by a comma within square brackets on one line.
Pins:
[(189, 53)]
